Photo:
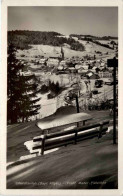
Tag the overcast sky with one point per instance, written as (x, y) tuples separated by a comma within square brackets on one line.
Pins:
[(66, 20)]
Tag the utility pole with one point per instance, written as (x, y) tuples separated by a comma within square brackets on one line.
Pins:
[(104, 92), (75, 96), (114, 63), (77, 103), (114, 114)]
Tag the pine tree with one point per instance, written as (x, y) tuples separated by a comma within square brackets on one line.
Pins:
[(21, 90)]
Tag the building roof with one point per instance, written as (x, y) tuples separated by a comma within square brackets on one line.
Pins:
[(60, 67), (94, 67), (78, 66), (85, 66), (94, 76)]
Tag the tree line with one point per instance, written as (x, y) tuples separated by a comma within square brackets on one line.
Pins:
[(52, 87), (95, 39), (80, 36), (23, 39)]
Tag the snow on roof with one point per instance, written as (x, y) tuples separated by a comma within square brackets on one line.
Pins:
[(85, 66), (42, 59), (90, 74), (102, 64), (78, 66), (60, 67), (71, 68), (63, 120), (94, 67)]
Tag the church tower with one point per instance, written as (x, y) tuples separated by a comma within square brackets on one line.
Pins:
[(62, 54)]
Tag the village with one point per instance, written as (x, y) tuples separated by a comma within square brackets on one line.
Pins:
[(84, 73)]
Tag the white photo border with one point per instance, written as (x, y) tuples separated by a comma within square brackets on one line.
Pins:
[(3, 96)]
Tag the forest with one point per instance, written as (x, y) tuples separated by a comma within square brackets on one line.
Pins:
[(80, 36), (23, 39), (95, 39)]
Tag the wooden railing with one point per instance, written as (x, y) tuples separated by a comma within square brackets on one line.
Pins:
[(63, 138)]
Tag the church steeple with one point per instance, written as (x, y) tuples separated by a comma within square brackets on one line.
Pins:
[(62, 54)]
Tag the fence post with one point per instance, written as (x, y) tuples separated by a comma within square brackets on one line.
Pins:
[(100, 130), (43, 144)]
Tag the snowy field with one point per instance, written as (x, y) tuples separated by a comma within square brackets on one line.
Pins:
[(92, 47), (53, 51)]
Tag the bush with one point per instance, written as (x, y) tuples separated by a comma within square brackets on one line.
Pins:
[(44, 89), (51, 96), (55, 88)]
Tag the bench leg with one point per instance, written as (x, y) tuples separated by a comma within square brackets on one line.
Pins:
[(100, 131)]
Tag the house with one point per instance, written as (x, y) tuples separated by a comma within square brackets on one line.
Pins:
[(94, 69), (52, 61), (85, 67), (94, 76), (82, 70), (37, 73), (60, 68), (98, 60), (63, 62), (72, 70), (102, 66), (91, 75), (42, 60), (35, 66), (97, 64), (78, 66), (25, 73), (92, 61)]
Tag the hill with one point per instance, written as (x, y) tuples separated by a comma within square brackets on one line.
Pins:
[(102, 41), (23, 39)]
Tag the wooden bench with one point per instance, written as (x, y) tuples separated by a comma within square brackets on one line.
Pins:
[(63, 138), (54, 122), (48, 141)]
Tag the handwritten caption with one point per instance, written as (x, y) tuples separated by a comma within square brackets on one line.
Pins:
[(60, 183)]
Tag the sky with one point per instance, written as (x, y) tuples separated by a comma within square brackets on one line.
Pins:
[(98, 21)]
